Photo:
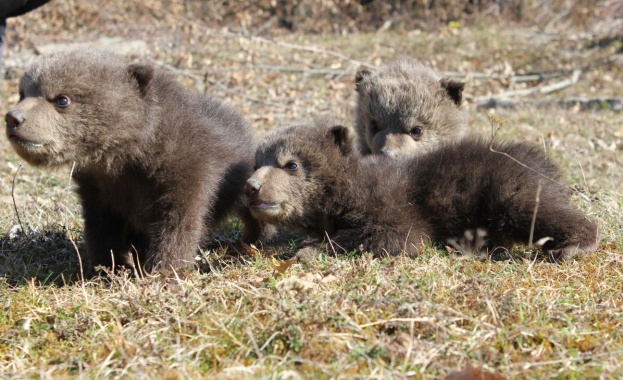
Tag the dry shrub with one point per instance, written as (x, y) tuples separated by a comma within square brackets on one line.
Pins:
[(331, 16), (343, 16)]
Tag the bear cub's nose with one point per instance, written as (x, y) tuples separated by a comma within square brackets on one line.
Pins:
[(14, 119), (251, 187)]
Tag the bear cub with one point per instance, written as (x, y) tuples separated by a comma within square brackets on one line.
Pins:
[(310, 178), (406, 109), (156, 166)]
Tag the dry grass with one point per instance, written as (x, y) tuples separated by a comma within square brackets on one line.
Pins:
[(344, 317)]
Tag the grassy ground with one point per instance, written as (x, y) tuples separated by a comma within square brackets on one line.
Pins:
[(249, 315)]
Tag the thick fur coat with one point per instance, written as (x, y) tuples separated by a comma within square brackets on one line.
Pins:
[(311, 178), (406, 109), (157, 167)]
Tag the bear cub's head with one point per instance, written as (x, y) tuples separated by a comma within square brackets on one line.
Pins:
[(83, 106), (405, 109), (294, 168)]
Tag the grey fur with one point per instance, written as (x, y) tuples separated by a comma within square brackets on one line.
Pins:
[(406, 109), (157, 167)]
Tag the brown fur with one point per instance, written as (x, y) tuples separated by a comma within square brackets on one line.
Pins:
[(309, 178), (156, 166), (406, 109)]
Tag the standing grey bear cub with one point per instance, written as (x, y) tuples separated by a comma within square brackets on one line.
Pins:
[(407, 109), (157, 167)]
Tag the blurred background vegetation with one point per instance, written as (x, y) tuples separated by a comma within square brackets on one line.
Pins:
[(348, 16)]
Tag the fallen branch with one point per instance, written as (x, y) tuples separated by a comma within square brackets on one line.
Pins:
[(311, 49), (262, 40), (544, 89), (584, 104), (532, 77), (176, 70), (248, 97), (305, 71), (519, 78)]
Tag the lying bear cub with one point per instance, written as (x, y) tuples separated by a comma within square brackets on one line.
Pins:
[(311, 178), (157, 167)]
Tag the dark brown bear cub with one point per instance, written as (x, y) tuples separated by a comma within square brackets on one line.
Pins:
[(156, 166), (311, 178)]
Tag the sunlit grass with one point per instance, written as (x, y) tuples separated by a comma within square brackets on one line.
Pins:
[(334, 317)]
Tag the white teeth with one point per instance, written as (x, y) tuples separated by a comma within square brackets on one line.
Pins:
[(26, 143), (264, 206)]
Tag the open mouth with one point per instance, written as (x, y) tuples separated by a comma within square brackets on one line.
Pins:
[(262, 206), (268, 212), (15, 139)]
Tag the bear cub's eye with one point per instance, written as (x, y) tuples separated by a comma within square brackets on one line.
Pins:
[(61, 101), (291, 166), (415, 132)]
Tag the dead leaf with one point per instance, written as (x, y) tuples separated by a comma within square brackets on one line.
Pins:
[(281, 266), (473, 373), (306, 281), (258, 281), (328, 279), (250, 250)]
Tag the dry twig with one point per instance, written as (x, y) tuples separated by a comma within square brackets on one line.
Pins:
[(19, 220)]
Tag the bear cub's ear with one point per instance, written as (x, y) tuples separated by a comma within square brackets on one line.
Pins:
[(142, 73), (362, 72), (454, 89), (341, 137)]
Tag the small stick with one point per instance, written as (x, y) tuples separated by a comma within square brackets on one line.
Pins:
[(500, 123), (330, 243), (19, 220), (71, 173), (536, 208), (496, 120)]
